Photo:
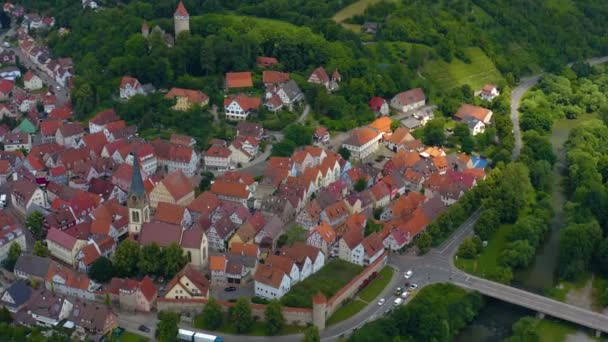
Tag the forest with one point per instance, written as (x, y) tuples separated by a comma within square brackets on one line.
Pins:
[(453, 309)]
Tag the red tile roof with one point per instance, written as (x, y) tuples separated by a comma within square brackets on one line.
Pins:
[(266, 61), (61, 238), (411, 96), (361, 136), (104, 117), (470, 111), (132, 81), (239, 80), (218, 152), (169, 213), (271, 76), (64, 112), (163, 234), (95, 142), (194, 96), (230, 189), (217, 263), (6, 86), (181, 10), (326, 232), (50, 127), (178, 184), (245, 102)]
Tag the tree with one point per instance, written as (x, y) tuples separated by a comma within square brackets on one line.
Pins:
[(274, 317), (40, 249), (212, 315), (5, 315), (395, 124), (344, 152), (360, 185), (469, 248), (295, 234), (101, 270), (149, 259), (517, 254), (167, 326), (525, 330), (577, 243), (126, 258), (173, 260), (434, 132), (301, 135), (283, 148), (240, 316), (424, 242), (486, 224), (205, 183), (35, 223), (14, 252), (311, 334)]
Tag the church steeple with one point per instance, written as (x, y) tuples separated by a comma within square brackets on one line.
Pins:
[(181, 19), (137, 200)]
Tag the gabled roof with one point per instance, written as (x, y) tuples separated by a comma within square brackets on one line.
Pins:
[(230, 189), (320, 74), (361, 136), (161, 233), (470, 111), (169, 213), (382, 124), (275, 77), (71, 129), (128, 80), (194, 96), (245, 102), (326, 232), (411, 96), (33, 265), (19, 292), (95, 142), (178, 184), (372, 244), (266, 274), (205, 203), (352, 238), (217, 263), (50, 127), (61, 238), (197, 279), (104, 117)]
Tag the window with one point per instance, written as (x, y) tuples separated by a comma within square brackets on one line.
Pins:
[(135, 216)]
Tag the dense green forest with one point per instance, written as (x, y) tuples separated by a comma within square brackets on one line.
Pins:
[(453, 309), (517, 36)]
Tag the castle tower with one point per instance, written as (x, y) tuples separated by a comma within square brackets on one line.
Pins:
[(145, 29), (137, 200), (181, 18), (319, 309)]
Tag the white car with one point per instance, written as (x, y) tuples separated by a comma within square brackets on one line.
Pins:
[(408, 274), (413, 287), (405, 294), (381, 302), (58, 88), (398, 302)]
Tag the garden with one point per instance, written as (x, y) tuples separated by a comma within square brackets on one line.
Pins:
[(329, 280)]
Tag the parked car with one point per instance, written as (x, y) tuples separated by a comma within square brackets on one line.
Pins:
[(404, 294), (381, 302), (143, 328), (230, 289), (413, 287), (398, 291), (398, 302), (408, 274)]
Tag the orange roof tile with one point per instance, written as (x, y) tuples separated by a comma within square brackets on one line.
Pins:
[(326, 232), (382, 124), (230, 189), (170, 213), (239, 80), (217, 263), (178, 184)]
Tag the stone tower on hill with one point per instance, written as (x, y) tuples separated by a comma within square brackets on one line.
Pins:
[(138, 201), (181, 19)]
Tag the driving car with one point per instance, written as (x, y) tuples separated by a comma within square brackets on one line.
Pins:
[(143, 328), (230, 289), (413, 286), (408, 274), (404, 294), (381, 302)]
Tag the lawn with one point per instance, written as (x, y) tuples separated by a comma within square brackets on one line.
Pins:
[(259, 328), (353, 9), (550, 330), (131, 337), (374, 288), (488, 259), (480, 71), (331, 278), (347, 311)]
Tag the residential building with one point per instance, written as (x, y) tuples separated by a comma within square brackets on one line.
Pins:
[(217, 268), (132, 294), (64, 246), (362, 142), (10, 234), (467, 112), (31, 81), (266, 62), (186, 98), (235, 80), (379, 106), (176, 188), (250, 129), (129, 87), (64, 280), (173, 157), (231, 191), (320, 76), (17, 141), (93, 319), (321, 135), (409, 100), (323, 237), (239, 107), (102, 119), (188, 284), (489, 92), (70, 135), (32, 267), (271, 282), (350, 247), (25, 195), (16, 296)]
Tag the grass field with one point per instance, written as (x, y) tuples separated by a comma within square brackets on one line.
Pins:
[(480, 71), (346, 311), (259, 328), (131, 337), (353, 9), (374, 288), (331, 278), (488, 259)]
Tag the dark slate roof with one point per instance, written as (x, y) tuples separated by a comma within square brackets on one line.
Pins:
[(291, 89), (137, 183), (20, 292), (33, 265)]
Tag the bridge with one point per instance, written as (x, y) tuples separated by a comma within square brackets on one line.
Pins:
[(540, 304)]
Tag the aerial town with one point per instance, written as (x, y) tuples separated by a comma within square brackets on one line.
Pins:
[(115, 225)]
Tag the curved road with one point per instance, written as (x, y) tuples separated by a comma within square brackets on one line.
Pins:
[(518, 93)]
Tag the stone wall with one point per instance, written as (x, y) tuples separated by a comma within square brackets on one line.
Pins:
[(297, 316), (350, 289)]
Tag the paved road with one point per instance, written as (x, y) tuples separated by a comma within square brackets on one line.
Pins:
[(304, 114), (518, 93)]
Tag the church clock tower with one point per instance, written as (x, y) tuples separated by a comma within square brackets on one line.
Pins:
[(137, 200)]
